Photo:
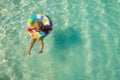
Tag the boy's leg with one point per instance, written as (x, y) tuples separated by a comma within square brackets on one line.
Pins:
[(31, 45), (41, 46)]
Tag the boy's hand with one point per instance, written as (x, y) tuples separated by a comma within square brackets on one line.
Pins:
[(31, 34)]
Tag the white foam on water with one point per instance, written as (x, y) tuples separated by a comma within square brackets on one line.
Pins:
[(66, 15), (87, 45)]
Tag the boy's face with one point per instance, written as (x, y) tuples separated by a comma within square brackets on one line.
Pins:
[(37, 26)]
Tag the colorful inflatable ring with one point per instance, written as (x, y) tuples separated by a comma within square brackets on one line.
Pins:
[(44, 19)]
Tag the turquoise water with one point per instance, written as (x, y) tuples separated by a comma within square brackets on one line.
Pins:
[(84, 45)]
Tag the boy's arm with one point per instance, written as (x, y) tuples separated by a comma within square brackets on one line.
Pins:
[(31, 30)]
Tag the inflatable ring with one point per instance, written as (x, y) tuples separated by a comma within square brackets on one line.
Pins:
[(44, 19)]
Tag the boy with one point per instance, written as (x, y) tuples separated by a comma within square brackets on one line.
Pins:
[(38, 26)]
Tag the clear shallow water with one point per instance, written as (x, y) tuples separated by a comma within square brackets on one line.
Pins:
[(84, 45)]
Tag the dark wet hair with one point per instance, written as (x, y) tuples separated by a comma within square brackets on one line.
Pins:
[(41, 24)]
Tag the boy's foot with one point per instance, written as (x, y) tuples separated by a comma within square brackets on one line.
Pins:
[(40, 52), (28, 52)]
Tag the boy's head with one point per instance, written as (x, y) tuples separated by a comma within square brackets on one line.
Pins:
[(38, 24)]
